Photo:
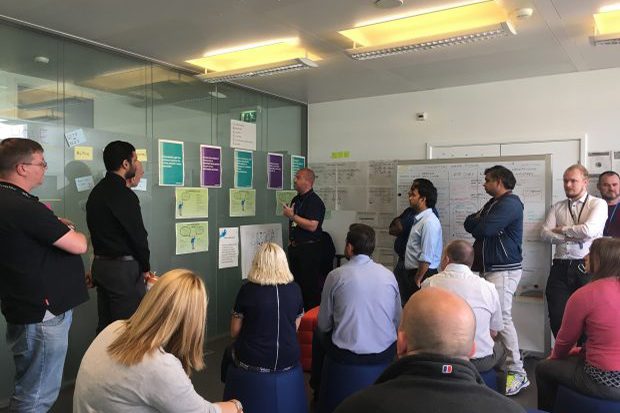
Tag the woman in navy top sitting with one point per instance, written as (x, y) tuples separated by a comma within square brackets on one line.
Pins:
[(267, 314)]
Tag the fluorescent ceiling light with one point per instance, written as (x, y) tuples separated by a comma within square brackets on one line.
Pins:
[(256, 54), (256, 71), (607, 27), (457, 25)]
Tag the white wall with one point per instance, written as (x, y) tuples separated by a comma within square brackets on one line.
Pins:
[(542, 108)]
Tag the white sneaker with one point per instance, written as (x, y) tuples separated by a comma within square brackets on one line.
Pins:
[(516, 382)]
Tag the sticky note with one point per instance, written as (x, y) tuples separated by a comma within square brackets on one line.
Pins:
[(141, 154), (83, 153)]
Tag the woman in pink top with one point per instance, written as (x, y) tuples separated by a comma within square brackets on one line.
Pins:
[(592, 310)]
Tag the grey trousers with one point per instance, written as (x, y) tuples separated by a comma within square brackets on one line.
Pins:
[(568, 372)]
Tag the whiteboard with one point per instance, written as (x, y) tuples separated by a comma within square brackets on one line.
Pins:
[(460, 193)]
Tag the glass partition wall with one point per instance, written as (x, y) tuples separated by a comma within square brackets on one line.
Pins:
[(50, 87)]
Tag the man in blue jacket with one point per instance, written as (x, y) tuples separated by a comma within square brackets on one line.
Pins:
[(498, 232)]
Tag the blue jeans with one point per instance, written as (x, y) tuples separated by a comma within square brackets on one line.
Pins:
[(39, 352)]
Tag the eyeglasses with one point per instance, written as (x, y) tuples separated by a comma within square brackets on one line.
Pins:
[(42, 164)]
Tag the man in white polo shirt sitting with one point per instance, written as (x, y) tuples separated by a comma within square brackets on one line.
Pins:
[(481, 295)]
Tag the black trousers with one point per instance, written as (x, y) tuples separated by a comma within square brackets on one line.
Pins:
[(565, 277), (120, 288), (304, 261), (406, 281), (322, 344)]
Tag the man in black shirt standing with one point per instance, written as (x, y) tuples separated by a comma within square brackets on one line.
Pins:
[(305, 215), (119, 238), (41, 277)]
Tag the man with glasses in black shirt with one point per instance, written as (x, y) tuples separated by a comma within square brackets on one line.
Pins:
[(306, 213), (113, 215), (41, 277)]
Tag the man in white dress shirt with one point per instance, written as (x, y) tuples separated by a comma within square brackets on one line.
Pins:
[(482, 297), (571, 224)]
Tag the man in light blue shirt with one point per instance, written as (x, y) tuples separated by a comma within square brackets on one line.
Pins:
[(360, 309), (423, 252)]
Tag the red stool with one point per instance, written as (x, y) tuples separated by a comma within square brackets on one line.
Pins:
[(304, 336)]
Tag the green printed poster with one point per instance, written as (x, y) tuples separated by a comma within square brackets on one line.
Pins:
[(243, 168), (192, 237), (283, 197), (242, 202), (191, 203), (171, 165), (297, 163)]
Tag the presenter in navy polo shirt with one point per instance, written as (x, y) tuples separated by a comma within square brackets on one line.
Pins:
[(305, 214), (41, 277)]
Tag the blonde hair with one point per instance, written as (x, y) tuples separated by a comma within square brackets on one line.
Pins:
[(172, 316), (579, 167), (270, 266)]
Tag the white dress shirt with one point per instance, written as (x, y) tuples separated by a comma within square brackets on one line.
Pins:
[(481, 296), (581, 221)]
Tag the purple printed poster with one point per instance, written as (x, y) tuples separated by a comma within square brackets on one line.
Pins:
[(275, 170), (211, 166)]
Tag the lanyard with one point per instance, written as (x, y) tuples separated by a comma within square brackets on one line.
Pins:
[(576, 222), (19, 191)]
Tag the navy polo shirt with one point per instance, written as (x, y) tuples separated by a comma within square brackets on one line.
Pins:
[(268, 336), (309, 206), (35, 276)]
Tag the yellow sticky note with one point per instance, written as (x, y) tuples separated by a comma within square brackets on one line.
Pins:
[(141, 153), (345, 154), (336, 155), (83, 153)]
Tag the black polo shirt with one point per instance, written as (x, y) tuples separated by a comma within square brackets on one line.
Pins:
[(115, 221), (309, 206), (34, 275)]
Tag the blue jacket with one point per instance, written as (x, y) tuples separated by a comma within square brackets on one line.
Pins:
[(498, 232)]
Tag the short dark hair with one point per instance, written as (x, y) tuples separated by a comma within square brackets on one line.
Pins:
[(115, 153), (427, 190), (607, 173), (362, 239), (460, 252), (14, 151), (503, 174)]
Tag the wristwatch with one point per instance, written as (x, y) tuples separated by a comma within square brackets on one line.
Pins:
[(238, 405)]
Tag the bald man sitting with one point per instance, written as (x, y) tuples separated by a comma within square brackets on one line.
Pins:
[(480, 294), (433, 373)]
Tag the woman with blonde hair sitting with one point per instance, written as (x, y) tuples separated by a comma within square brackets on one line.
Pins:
[(143, 364), (592, 310), (264, 322)]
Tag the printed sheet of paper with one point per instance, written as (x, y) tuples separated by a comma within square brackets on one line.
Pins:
[(75, 137), (283, 197), (171, 163), (242, 202), (297, 163), (242, 135), (599, 162), (252, 236), (228, 250), (244, 167), (192, 237), (191, 203), (142, 185), (84, 183)]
